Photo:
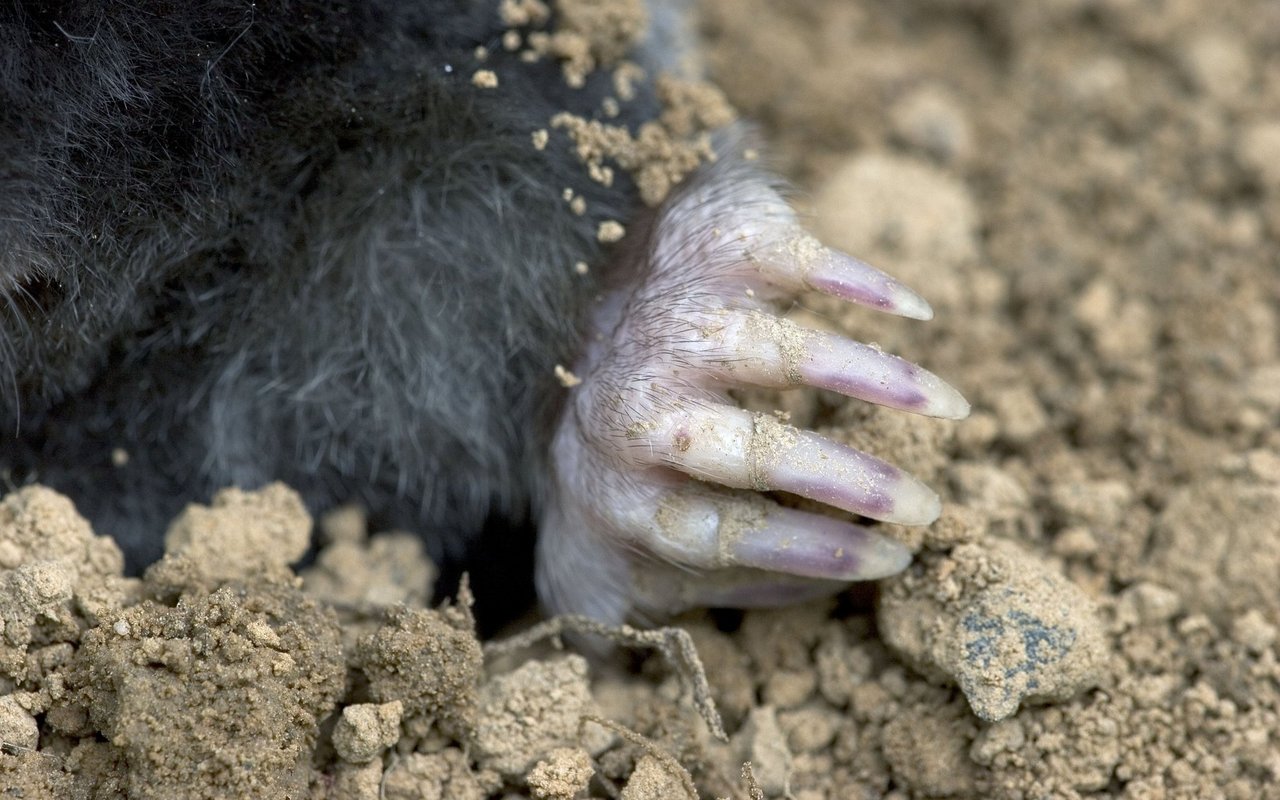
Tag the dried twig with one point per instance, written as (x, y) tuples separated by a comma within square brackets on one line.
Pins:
[(648, 746), (674, 644)]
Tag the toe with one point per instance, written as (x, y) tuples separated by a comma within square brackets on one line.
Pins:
[(751, 347), (743, 450), (797, 260), (704, 528), (868, 373), (814, 546)]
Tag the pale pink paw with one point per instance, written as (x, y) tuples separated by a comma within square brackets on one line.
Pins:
[(654, 503)]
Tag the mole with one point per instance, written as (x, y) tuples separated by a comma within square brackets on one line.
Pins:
[(365, 248)]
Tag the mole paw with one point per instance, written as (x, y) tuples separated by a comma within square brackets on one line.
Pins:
[(655, 501)]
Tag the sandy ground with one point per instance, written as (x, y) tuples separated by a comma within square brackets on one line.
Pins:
[(1089, 194)]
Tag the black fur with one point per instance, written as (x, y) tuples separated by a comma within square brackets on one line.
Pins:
[(284, 240)]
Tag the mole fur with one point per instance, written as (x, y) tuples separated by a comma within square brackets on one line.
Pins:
[(287, 240)]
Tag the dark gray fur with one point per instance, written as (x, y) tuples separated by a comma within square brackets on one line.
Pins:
[(284, 240)]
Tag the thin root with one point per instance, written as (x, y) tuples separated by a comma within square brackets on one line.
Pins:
[(675, 645), (647, 745)]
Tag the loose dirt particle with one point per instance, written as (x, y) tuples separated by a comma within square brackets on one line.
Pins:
[(566, 378), (366, 729), (610, 231), (562, 775)]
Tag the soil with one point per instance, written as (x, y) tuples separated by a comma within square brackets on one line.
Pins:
[(1088, 192)]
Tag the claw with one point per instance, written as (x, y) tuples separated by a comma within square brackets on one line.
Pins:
[(799, 261), (753, 347), (798, 543), (726, 445), (697, 528), (870, 374)]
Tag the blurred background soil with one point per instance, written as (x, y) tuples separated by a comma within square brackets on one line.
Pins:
[(1088, 192), (1089, 195)]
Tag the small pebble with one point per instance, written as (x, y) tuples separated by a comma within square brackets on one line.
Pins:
[(1147, 604), (1252, 631), (17, 727), (366, 729)]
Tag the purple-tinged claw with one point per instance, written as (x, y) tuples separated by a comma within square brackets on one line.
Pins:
[(726, 445), (796, 543), (702, 529), (870, 374), (831, 473), (798, 260), (755, 348), (848, 278)]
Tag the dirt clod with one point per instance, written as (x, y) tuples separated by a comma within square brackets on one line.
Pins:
[(562, 775), (366, 729), (222, 693), (427, 660), (240, 534), (527, 712), (1003, 626)]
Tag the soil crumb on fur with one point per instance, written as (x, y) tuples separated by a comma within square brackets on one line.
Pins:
[(593, 35)]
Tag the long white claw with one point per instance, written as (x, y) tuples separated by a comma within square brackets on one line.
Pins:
[(797, 543), (736, 448), (698, 528), (751, 347), (798, 260)]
